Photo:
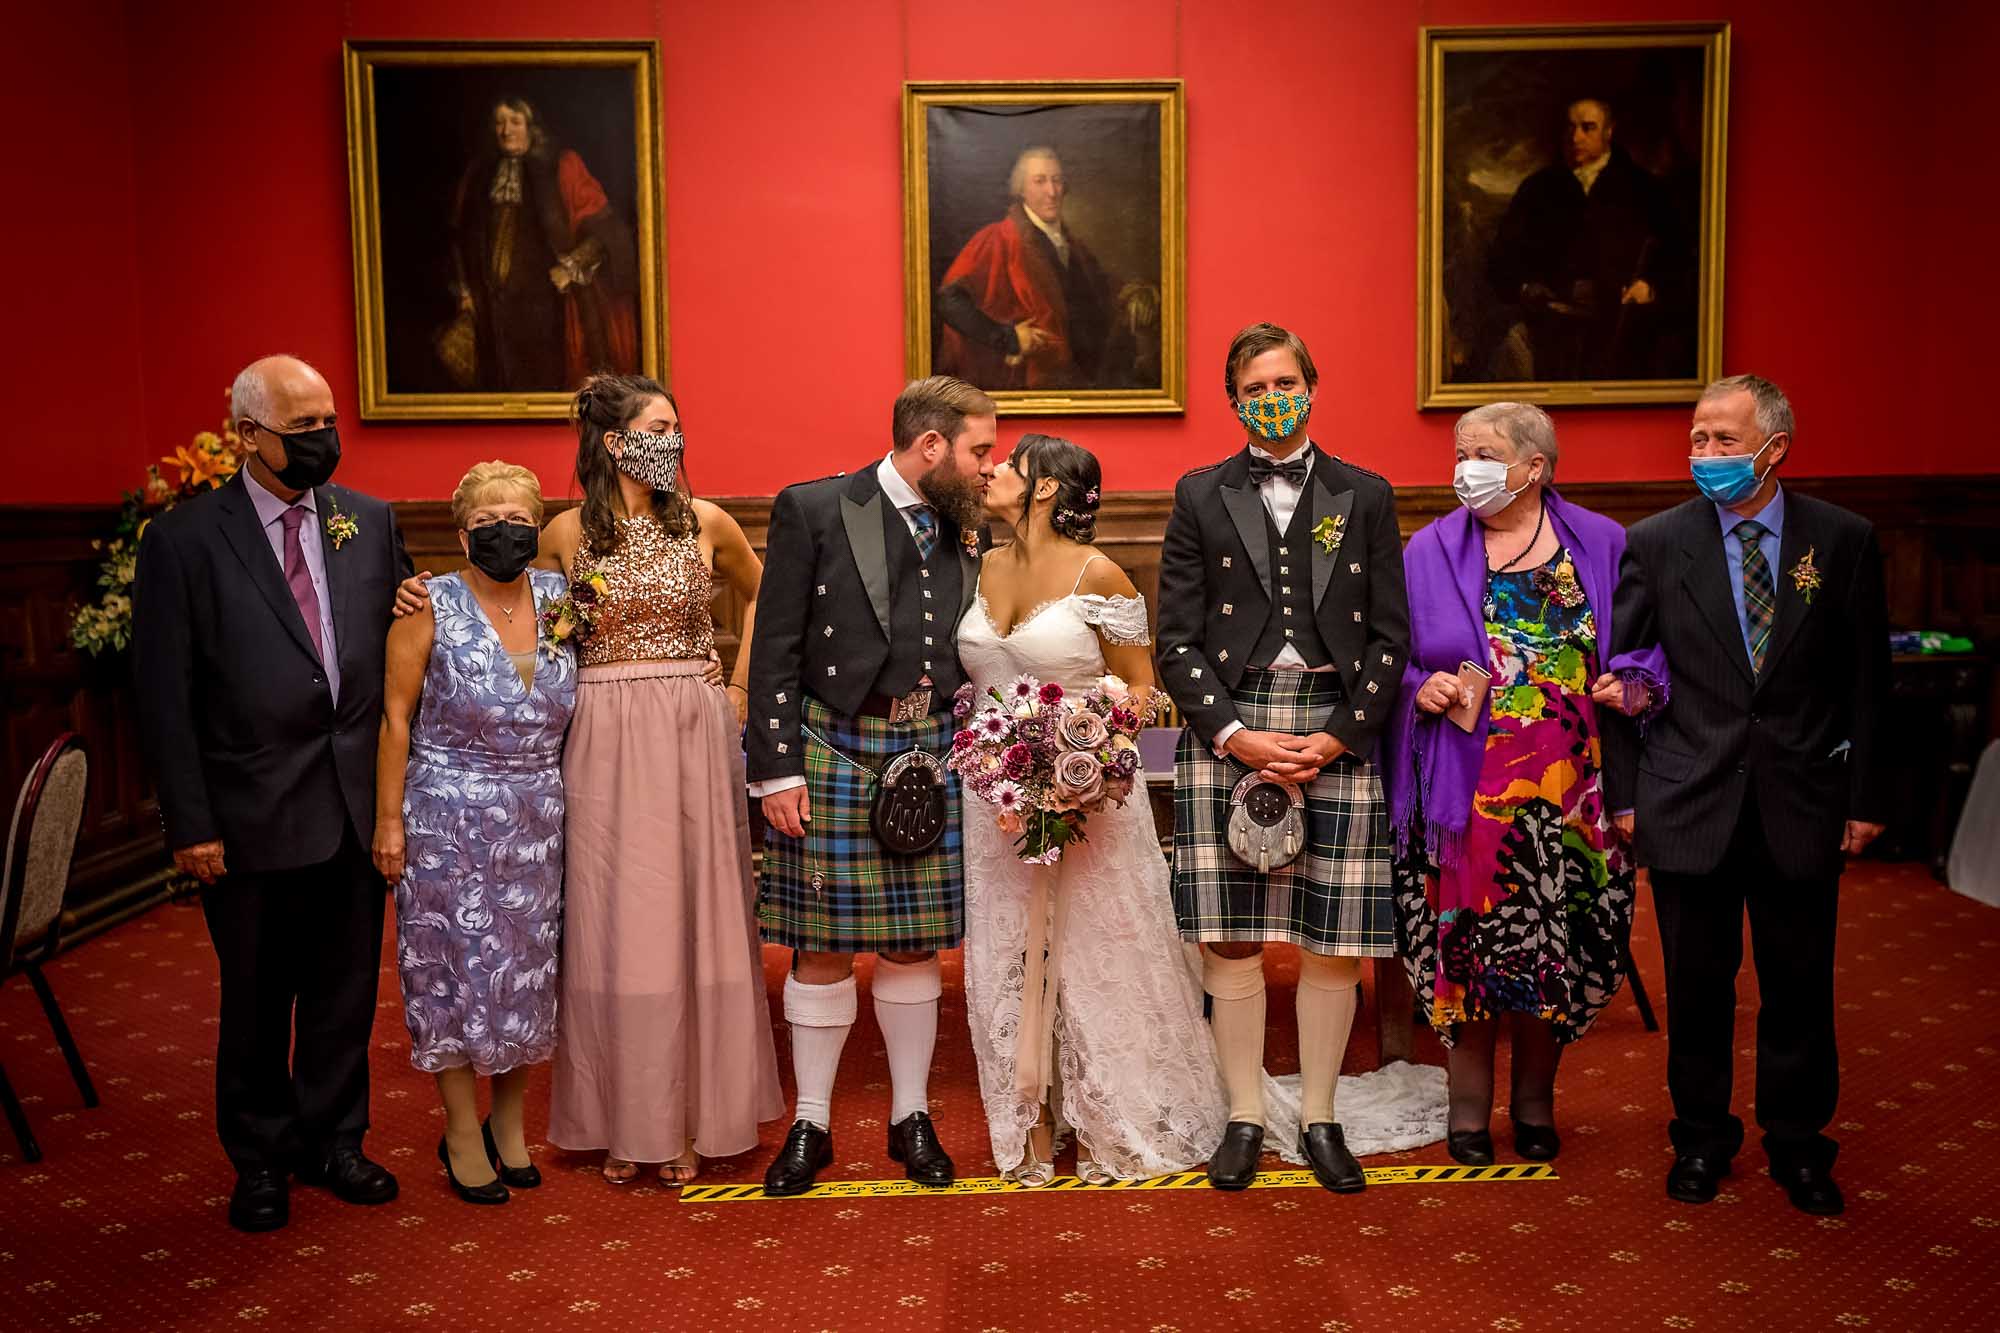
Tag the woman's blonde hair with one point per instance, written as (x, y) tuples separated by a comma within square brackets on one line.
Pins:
[(486, 480)]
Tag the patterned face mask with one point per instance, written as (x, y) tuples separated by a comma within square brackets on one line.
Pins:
[(1275, 415), (653, 459)]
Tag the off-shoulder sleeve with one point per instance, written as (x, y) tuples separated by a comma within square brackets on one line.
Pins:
[(1122, 620)]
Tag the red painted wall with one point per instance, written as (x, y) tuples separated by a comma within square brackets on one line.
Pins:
[(214, 226)]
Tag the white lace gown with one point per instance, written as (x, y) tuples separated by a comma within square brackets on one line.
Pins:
[(1134, 1071)]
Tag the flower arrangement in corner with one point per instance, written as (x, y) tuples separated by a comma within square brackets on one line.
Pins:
[(572, 618), (210, 459), (1047, 759)]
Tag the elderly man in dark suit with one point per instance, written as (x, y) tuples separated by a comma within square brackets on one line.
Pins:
[(1763, 770), (260, 616), (1283, 630)]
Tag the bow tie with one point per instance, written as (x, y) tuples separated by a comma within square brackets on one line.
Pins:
[(1292, 470)]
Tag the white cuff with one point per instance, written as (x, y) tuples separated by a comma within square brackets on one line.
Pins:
[(1221, 742), (772, 786)]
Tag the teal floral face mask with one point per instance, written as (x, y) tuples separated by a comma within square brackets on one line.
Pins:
[(1275, 415)]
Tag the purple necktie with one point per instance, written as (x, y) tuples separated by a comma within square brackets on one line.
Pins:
[(299, 579)]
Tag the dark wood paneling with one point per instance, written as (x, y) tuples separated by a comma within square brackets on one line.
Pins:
[(1940, 542)]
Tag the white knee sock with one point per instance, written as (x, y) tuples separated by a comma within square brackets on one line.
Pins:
[(1237, 1018), (906, 1008), (1329, 989), (820, 1017)]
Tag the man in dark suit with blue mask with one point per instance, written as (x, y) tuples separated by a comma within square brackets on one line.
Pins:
[(260, 615), (1762, 772)]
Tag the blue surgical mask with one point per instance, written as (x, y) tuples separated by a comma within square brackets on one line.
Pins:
[(1728, 479)]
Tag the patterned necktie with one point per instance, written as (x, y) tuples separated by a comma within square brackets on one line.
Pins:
[(925, 518), (1760, 595), (1292, 470), (299, 579)]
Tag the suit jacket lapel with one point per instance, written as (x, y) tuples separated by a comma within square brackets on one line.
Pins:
[(244, 532), (339, 580), (1706, 575), (1801, 535), (1326, 504), (860, 513), (1246, 511)]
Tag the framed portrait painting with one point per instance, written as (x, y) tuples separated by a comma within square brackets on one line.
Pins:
[(1570, 207), (508, 235), (1043, 239)]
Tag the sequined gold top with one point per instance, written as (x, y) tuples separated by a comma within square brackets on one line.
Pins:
[(657, 605)]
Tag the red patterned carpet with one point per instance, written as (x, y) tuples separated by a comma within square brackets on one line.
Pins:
[(121, 1226)]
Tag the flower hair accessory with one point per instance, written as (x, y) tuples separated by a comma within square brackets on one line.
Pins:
[(1090, 496)]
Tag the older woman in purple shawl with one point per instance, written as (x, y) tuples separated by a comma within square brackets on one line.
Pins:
[(1515, 887)]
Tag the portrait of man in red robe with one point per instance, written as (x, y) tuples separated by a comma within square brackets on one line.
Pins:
[(1027, 305)]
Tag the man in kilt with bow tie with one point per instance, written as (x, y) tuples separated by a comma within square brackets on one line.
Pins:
[(853, 664), (1283, 629)]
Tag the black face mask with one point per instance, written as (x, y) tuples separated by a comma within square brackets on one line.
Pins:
[(501, 551), (310, 456)]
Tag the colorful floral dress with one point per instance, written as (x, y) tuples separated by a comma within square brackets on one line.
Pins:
[(1535, 915)]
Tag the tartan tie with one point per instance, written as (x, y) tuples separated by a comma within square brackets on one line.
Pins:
[(925, 518), (1760, 595)]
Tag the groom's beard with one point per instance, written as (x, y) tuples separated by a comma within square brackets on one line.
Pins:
[(955, 495)]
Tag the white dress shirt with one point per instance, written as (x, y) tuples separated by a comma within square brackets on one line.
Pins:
[(271, 514), (1052, 230), (1586, 174), (907, 501)]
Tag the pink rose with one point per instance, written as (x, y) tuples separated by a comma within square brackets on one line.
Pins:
[(1083, 731), (1079, 779)]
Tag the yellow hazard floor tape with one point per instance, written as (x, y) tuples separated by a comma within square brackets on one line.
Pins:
[(1180, 1180)]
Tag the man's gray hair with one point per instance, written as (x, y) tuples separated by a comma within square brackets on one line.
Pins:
[(1017, 180), (1774, 410), (250, 395), (1523, 425)]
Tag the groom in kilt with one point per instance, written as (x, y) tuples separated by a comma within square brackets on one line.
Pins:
[(1283, 629), (853, 663)]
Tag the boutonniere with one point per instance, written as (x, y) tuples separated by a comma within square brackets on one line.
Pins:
[(1560, 585), (1329, 531), (572, 618), (340, 526), (969, 538), (1805, 576)]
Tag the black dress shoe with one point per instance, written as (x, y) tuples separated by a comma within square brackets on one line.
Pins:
[(808, 1150), (1325, 1147), (1811, 1189), (261, 1201), (1234, 1164), (516, 1177), (1470, 1147), (350, 1176), (913, 1141), (491, 1192), (1537, 1143), (1695, 1179)]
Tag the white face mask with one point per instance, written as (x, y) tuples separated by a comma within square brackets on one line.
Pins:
[(1481, 484)]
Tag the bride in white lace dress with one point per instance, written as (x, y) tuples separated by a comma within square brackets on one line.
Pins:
[(1133, 1074)]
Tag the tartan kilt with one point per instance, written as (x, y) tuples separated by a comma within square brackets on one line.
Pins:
[(1337, 896), (838, 890)]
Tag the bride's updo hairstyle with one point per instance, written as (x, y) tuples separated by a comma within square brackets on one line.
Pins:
[(1078, 483)]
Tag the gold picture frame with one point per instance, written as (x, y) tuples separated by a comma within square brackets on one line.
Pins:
[(1102, 288), (1570, 212), (476, 299)]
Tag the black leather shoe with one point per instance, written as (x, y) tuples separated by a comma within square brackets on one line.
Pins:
[(515, 1177), (1325, 1147), (1811, 1189), (1695, 1179), (491, 1192), (913, 1141), (1537, 1143), (808, 1150), (350, 1176), (1234, 1165), (261, 1201), (1470, 1147)]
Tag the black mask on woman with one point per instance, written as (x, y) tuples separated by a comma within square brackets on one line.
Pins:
[(501, 551), (310, 456)]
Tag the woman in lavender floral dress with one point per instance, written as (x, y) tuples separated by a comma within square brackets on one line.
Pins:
[(469, 825)]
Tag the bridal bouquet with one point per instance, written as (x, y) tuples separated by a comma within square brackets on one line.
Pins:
[(1046, 758)]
